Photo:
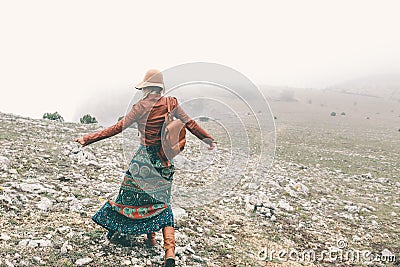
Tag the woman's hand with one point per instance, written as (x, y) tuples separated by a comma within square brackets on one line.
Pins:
[(80, 141), (212, 146)]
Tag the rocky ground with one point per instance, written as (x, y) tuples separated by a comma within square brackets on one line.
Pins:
[(330, 188)]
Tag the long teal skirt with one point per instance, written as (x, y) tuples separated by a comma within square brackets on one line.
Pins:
[(143, 202)]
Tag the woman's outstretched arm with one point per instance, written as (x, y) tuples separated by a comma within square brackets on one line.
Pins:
[(193, 126), (121, 125)]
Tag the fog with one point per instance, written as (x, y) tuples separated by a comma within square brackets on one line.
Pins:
[(79, 57)]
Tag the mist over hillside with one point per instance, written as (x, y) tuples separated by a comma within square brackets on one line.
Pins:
[(364, 96), (386, 86)]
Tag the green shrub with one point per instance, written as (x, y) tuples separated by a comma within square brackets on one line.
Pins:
[(343, 113), (203, 118), (53, 116), (87, 119), (333, 113)]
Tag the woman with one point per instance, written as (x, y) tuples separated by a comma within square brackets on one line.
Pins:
[(143, 203)]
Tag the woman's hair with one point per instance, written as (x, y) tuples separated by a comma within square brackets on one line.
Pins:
[(150, 89)]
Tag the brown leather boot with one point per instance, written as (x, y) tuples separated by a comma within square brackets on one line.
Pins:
[(169, 246), (151, 239)]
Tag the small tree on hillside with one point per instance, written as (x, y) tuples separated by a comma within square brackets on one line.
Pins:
[(53, 116), (204, 118), (87, 119)]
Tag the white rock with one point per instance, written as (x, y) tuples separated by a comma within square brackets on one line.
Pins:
[(45, 243), (63, 229), (179, 212), (23, 242), (12, 171), (268, 204), (32, 188), (37, 259), (285, 205), (387, 253), (8, 263), (83, 261), (262, 198), (44, 204), (180, 250), (4, 163), (198, 258), (135, 260), (126, 262), (189, 249), (351, 208), (41, 243), (249, 207), (302, 188), (382, 180), (4, 237), (252, 201), (64, 247), (366, 175)]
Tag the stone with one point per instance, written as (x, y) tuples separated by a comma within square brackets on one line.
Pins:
[(387, 253), (44, 204), (366, 175), (4, 163), (198, 258), (37, 259), (32, 188), (23, 242), (351, 208), (64, 248), (179, 213), (253, 201), (285, 205), (302, 188), (83, 261), (12, 171), (382, 180), (8, 263), (35, 243), (126, 262), (179, 250), (5, 237)]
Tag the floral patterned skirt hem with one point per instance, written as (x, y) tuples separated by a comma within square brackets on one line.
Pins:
[(114, 221)]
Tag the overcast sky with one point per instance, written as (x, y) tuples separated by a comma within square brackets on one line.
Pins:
[(57, 55)]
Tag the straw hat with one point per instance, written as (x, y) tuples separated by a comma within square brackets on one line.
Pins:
[(153, 77)]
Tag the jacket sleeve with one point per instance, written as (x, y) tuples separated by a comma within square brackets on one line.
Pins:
[(133, 115), (191, 124)]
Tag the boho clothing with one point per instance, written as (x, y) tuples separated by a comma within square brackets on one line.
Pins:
[(143, 203)]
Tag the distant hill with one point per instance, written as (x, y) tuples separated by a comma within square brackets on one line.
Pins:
[(386, 86)]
